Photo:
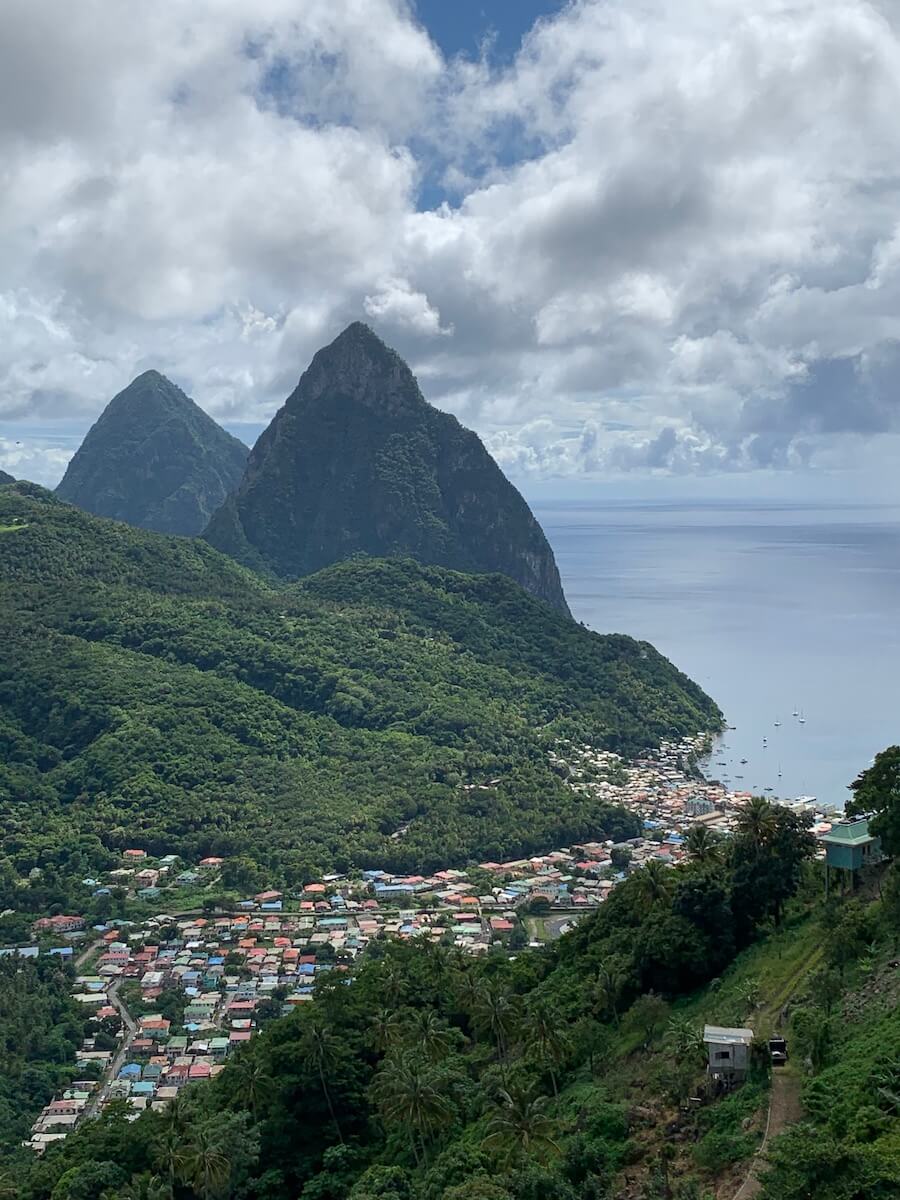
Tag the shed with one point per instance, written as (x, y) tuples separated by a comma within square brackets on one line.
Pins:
[(728, 1050)]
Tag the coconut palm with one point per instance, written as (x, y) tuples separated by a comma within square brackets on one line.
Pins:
[(430, 1036), (519, 1126), (203, 1164), (386, 1029), (406, 1096), (543, 1029), (703, 846), (143, 1187), (756, 821), (253, 1083), (172, 1125), (654, 882), (393, 982), (466, 988), (607, 989), (497, 1014), (318, 1049)]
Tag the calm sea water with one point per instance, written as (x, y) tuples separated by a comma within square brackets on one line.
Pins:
[(771, 609)]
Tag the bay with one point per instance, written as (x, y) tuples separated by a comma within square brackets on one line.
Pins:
[(772, 609)]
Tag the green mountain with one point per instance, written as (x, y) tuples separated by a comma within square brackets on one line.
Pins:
[(155, 460), (5, 478), (358, 462), (154, 692)]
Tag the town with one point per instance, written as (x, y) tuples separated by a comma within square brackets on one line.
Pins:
[(169, 997)]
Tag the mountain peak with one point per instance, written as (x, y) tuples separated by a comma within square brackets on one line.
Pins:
[(358, 462), (358, 364), (154, 459)]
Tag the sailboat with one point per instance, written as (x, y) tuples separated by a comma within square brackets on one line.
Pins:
[(801, 719), (795, 713), (777, 724)]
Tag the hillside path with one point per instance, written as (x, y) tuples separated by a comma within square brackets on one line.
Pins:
[(784, 1109)]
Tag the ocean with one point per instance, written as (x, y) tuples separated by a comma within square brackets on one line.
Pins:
[(772, 609)]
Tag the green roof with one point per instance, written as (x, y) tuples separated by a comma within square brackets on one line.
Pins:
[(849, 833)]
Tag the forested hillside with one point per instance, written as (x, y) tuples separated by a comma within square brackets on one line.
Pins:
[(154, 693), (563, 1072)]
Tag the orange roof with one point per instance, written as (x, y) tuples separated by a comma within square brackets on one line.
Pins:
[(316, 888)]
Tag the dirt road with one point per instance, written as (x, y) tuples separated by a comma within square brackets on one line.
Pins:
[(784, 1109)]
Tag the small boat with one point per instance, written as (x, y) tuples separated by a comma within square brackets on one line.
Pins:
[(801, 720), (777, 724), (795, 713), (743, 762)]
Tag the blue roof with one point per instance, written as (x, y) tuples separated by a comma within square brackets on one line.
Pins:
[(130, 1071)]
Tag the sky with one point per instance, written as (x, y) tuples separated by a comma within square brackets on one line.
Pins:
[(635, 245)]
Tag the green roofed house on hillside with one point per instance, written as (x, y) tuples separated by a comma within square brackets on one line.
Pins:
[(849, 846)]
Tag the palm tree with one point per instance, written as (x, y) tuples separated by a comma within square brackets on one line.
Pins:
[(703, 846), (654, 882), (608, 989), (431, 1036), (497, 1013), (406, 1096), (173, 1126), (203, 1164), (756, 822), (253, 1083), (386, 1029), (467, 989), (318, 1048), (519, 1125), (393, 982), (144, 1187), (543, 1030)]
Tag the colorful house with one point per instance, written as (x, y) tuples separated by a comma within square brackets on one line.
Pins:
[(849, 846)]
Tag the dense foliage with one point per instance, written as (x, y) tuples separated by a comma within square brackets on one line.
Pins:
[(154, 459), (434, 1076), (848, 1032), (40, 1030), (153, 693), (877, 791)]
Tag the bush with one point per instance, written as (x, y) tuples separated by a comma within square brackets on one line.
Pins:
[(718, 1148)]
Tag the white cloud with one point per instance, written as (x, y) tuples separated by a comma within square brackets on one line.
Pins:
[(673, 242)]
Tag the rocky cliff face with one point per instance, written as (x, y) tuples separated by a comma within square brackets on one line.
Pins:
[(358, 462), (155, 460)]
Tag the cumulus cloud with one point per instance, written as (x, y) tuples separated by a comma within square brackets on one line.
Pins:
[(669, 241)]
